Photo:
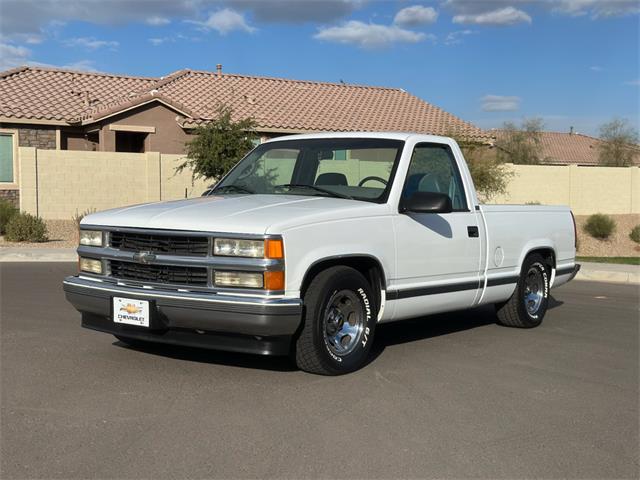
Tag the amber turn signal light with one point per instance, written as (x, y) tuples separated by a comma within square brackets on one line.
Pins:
[(273, 248), (274, 280)]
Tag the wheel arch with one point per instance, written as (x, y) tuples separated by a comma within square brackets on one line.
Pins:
[(368, 265), (547, 252)]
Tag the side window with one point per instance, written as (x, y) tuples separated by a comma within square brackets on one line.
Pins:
[(6, 157), (433, 169)]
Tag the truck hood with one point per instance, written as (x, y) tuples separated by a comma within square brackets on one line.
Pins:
[(256, 214)]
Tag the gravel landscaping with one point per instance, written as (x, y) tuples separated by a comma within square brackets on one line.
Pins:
[(61, 233), (618, 245)]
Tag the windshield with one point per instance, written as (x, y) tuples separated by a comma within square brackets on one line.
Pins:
[(356, 168)]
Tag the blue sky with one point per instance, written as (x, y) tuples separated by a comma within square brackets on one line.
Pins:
[(570, 62)]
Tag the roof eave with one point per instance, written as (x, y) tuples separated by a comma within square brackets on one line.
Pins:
[(131, 106), (34, 121)]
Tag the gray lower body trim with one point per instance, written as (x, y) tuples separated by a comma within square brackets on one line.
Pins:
[(449, 288), (189, 310)]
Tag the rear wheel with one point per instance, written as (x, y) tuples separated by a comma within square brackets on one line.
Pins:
[(528, 304), (339, 322)]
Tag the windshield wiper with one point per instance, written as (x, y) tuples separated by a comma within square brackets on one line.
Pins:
[(237, 188), (316, 188)]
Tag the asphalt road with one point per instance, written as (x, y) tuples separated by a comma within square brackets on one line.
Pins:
[(450, 396)]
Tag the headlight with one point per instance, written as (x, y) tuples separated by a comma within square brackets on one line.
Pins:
[(238, 279), (90, 265), (92, 238), (230, 247)]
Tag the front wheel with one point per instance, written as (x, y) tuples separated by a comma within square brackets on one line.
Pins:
[(339, 321), (528, 304)]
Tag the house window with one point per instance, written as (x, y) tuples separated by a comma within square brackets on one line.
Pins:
[(131, 142), (6, 157), (340, 155)]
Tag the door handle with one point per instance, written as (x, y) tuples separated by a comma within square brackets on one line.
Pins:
[(473, 232)]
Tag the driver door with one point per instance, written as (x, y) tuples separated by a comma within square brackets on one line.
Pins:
[(438, 254)]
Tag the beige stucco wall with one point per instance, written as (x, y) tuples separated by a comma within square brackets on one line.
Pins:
[(586, 189), (59, 183), (56, 184), (175, 184)]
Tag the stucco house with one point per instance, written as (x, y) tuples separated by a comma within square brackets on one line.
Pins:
[(51, 108), (570, 148)]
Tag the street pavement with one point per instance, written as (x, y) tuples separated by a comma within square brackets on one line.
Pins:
[(446, 396)]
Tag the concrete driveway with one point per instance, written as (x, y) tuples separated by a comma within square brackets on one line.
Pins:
[(445, 396)]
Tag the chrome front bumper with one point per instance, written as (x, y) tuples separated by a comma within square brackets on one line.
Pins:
[(187, 318)]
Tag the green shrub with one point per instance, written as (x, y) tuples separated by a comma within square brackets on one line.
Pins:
[(635, 234), (7, 210), (600, 226), (24, 227)]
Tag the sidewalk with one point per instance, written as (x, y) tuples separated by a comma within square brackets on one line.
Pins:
[(595, 272), (609, 272), (23, 254)]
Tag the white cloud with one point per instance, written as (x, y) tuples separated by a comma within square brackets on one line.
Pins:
[(369, 35), (502, 16), (633, 83), (83, 65), (30, 16), (12, 56), (500, 103), (455, 38), (157, 21), (225, 21), (298, 11), (595, 68), (90, 43), (415, 15), (597, 8), (157, 41)]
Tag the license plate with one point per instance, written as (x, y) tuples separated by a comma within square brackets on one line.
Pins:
[(131, 312)]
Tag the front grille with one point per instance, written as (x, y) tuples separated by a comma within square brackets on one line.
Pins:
[(177, 275), (166, 244)]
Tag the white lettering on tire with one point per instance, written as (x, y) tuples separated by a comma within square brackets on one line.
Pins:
[(367, 307)]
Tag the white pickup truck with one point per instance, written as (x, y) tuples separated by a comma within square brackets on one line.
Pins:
[(309, 242)]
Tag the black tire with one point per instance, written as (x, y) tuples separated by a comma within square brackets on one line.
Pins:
[(331, 294), (521, 313)]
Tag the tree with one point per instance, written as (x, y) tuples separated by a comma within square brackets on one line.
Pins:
[(490, 174), (619, 145), (523, 144), (219, 145)]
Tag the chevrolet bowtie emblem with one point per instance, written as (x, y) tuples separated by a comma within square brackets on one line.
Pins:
[(144, 257), (130, 309)]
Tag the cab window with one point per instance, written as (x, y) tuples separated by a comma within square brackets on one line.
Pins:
[(433, 169)]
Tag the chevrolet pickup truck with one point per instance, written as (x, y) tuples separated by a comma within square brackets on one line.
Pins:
[(309, 242)]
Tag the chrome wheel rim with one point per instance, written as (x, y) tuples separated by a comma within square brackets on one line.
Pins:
[(343, 322), (533, 290)]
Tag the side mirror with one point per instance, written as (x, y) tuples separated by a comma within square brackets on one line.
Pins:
[(427, 202)]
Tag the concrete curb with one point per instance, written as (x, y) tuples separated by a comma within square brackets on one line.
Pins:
[(590, 272), (609, 272)]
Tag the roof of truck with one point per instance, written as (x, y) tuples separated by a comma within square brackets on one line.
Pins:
[(382, 135)]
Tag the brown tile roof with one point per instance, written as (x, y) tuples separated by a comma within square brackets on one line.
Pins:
[(562, 148), (55, 94), (275, 103)]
